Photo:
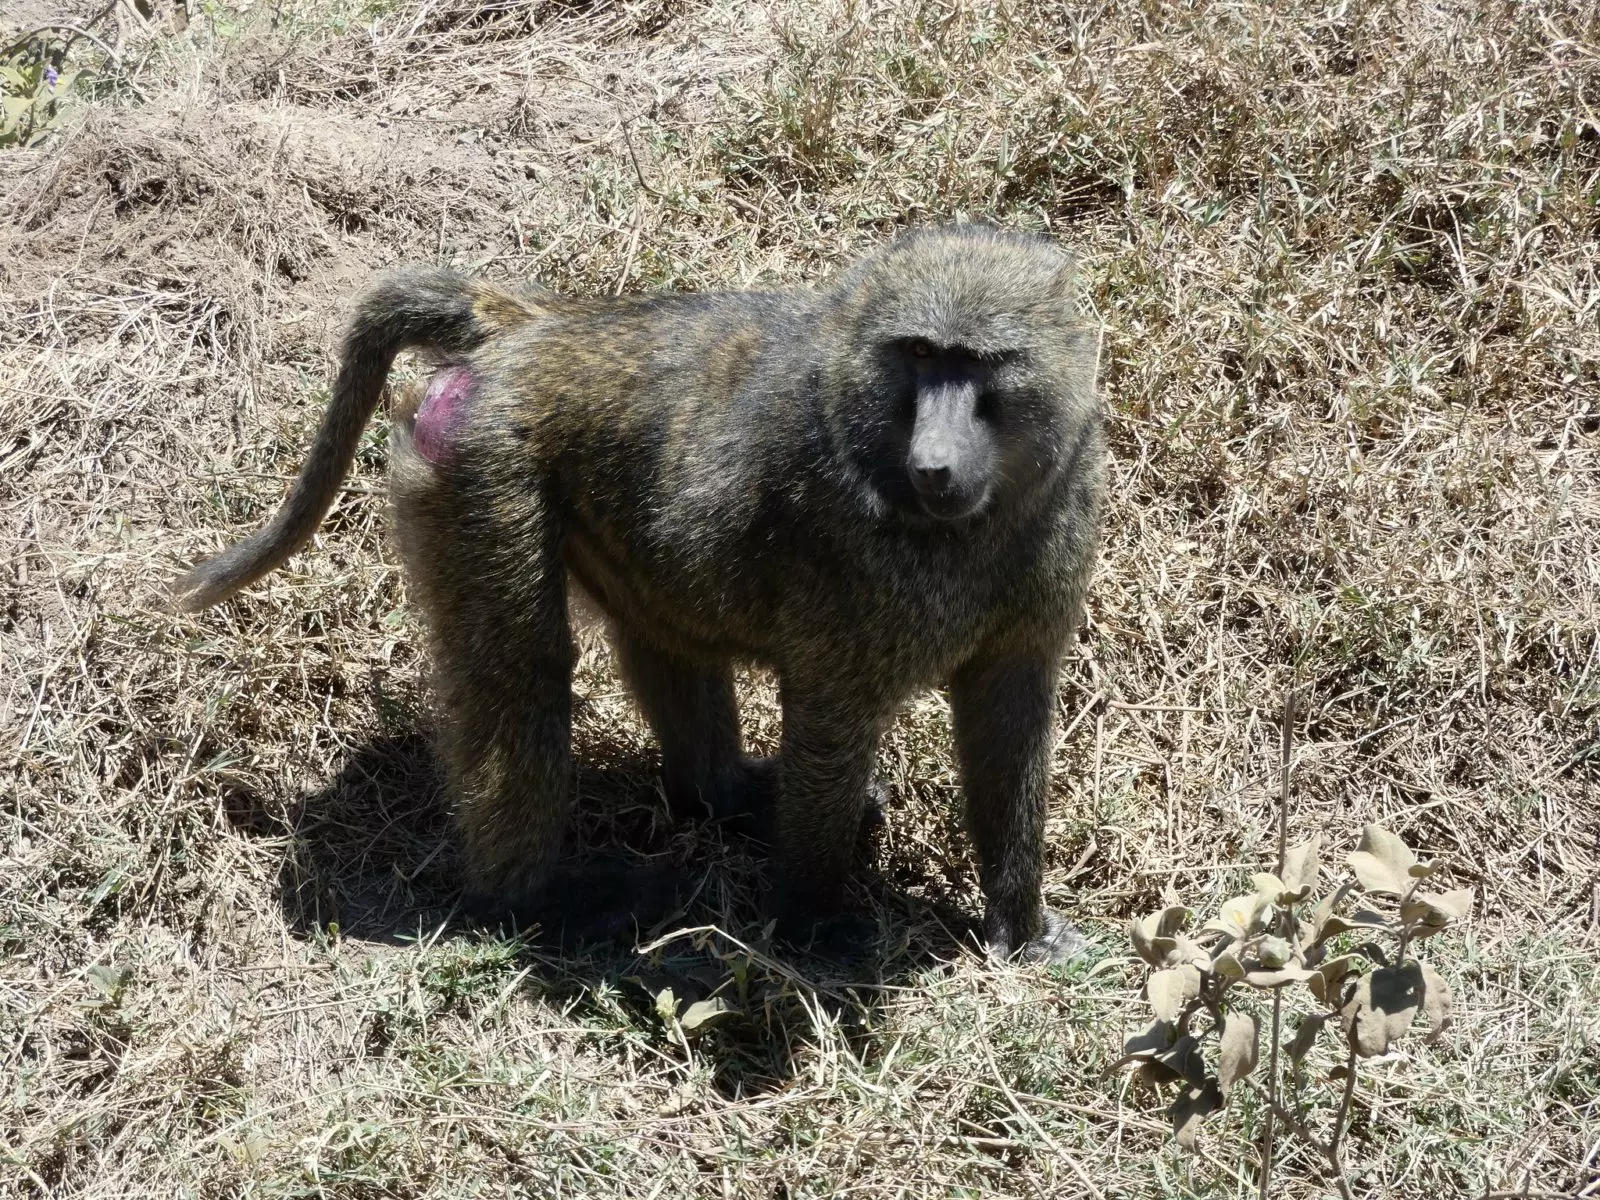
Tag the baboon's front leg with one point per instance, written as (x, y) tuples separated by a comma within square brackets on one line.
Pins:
[(1004, 710), (825, 777)]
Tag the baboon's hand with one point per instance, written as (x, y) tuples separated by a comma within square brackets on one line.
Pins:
[(1058, 942)]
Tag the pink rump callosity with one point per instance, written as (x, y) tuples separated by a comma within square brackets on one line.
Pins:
[(439, 418)]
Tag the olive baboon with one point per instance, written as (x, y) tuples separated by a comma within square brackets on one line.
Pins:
[(890, 483)]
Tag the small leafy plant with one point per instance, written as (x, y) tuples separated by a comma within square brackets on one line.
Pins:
[(31, 89), (1276, 938), (1357, 967)]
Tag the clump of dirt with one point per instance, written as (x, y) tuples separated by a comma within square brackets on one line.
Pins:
[(241, 197)]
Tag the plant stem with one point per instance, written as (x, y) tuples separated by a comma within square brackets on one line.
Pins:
[(1285, 745), (1291, 1122), (1405, 926), (1298, 1127), (1339, 1122), (1267, 1130)]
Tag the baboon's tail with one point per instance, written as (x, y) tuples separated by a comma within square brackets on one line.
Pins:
[(415, 306)]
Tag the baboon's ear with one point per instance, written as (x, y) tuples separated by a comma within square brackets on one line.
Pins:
[(1084, 342), (1067, 281)]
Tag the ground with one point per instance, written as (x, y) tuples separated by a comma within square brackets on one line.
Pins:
[(1345, 256)]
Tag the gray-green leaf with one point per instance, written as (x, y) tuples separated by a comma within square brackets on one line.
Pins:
[(1383, 862), (1437, 910), (1435, 1003), (666, 1005), (1239, 1050), (1171, 990), (707, 1014), (1241, 916), (1301, 864), (1153, 935), (1365, 919), (1306, 1036), (1191, 1107), (1227, 965), (1382, 1009), (1327, 982), (1277, 978), (1156, 1038)]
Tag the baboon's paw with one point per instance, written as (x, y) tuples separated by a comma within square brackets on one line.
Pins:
[(876, 814)]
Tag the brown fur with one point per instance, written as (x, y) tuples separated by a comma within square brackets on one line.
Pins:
[(726, 477)]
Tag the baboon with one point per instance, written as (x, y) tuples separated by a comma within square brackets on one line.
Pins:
[(888, 483)]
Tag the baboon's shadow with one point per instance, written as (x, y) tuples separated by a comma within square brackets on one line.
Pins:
[(372, 850), (373, 853)]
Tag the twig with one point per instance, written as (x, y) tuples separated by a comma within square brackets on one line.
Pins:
[(633, 250), (634, 159)]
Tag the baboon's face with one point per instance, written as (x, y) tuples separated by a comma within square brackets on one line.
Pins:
[(960, 373), (956, 429), (948, 418)]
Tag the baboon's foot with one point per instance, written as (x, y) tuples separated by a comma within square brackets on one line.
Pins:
[(1057, 943), (842, 939), (875, 816), (585, 903)]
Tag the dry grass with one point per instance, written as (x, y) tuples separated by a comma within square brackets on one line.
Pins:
[(1347, 257)]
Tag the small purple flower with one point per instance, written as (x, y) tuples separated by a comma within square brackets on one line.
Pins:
[(50, 77)]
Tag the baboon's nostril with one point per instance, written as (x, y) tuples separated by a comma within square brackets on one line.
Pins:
[(931, 479)]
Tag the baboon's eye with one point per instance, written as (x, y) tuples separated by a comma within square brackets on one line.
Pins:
[(920, 348)]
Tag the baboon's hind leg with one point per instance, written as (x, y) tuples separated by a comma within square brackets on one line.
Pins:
[(503, 686), (495, 596), (694, 715)]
